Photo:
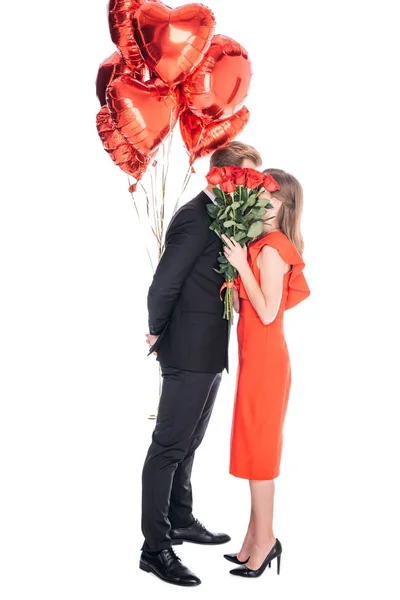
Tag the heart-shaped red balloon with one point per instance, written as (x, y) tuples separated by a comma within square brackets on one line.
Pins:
[(219, 86), (173, 42), (120, 16), (125, 157), (112, 67), (144, 113), (201, 139)]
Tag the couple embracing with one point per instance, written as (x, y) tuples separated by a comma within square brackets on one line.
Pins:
[(190, 338)]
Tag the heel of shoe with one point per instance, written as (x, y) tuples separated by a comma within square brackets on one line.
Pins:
[(176, 542), (144, 567), (278, 562)]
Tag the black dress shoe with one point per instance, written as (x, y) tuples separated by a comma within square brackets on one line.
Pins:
[(249, 573), (234, 558), (168, 567), (197, 534)]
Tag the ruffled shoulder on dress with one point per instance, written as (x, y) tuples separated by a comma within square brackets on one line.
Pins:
[(298, 289)]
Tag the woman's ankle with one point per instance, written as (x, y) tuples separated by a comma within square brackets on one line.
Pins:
[(264, 543), (245, 550)]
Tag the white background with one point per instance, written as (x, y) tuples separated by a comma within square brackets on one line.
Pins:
[(76, 384)]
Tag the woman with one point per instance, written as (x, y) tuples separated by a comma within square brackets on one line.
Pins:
[(270, 281)]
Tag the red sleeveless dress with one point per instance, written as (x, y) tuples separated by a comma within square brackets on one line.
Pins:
[(264, 371)]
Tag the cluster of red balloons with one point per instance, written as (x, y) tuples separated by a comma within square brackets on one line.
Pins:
[(169, 66)]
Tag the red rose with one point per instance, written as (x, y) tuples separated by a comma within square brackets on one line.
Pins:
[(254, 178), (269, 184), (237, 174), (228, 171), (240, 176), (228, 185), (215, 176)]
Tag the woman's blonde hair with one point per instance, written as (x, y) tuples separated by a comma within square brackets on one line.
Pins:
[(289, 215)]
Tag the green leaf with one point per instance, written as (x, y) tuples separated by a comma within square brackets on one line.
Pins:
[(231, 272), (240, 226), (262, 202), (222, 260), (215, 227), (212, 210), (255, 229), (229, 224), (250, 202), (235, 205), (259, 212), (219, 193), (240, 236), (269, 205), (247, 218)]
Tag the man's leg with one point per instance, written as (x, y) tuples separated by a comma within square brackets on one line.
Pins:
[(183, 399), (180, 510)]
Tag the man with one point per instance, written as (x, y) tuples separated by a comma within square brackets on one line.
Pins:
[(190, 337)]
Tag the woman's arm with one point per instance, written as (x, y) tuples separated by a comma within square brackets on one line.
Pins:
[(267, 298)]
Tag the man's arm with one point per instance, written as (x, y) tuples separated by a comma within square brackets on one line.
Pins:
[(185, 242)]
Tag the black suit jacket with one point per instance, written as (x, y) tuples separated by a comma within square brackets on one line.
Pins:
[(184, 305)]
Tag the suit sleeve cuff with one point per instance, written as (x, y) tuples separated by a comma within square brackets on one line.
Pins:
[(154, 330)]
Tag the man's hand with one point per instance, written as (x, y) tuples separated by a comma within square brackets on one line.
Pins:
[(151, 340)]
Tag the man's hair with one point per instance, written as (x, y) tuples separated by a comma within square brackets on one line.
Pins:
[(233, 155)]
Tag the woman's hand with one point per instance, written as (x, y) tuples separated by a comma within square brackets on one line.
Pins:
[(235, 253)]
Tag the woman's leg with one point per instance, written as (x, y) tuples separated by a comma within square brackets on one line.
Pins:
[(262, 502), (248, 540)]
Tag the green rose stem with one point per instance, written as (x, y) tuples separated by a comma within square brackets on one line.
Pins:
[(228, 297)]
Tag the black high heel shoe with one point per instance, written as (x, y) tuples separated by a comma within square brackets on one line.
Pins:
[(274, 553), (234, 558)]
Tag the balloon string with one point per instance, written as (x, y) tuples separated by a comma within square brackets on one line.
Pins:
[(140, 223), (163, 190), (184, 186), (166, 149), (148, 210), (157, 202), (187, 179), (154, 209), (169, 147), (194, 152), (159, 205)]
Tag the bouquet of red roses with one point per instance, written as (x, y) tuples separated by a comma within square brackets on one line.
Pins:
[(237, 212)]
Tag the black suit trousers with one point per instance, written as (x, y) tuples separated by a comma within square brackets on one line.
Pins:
[(184, 412)]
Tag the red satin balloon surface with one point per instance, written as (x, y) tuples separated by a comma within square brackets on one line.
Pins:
[(173, 42), (201, 139), (111, 68), (219, 86), (144, 113), (125, 157), (120, 16)]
